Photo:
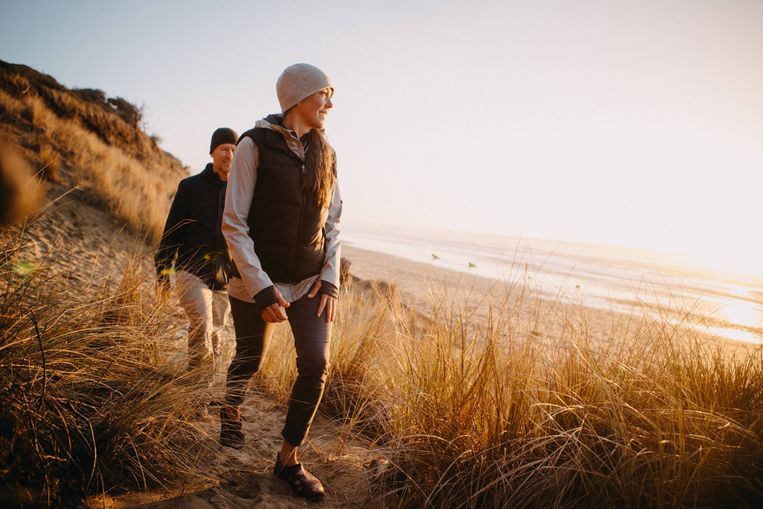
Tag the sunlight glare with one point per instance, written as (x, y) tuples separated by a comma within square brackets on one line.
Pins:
[(742, 312)]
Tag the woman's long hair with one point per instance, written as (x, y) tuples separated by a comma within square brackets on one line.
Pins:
[(319, 167)]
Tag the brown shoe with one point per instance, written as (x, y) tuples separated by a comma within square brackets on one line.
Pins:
[(303, 483), (231, 427)]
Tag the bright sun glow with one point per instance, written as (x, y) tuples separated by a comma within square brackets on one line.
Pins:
[(727, 260), (745, 319), (743, 312)]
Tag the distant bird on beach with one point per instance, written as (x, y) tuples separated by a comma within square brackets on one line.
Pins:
[(472, 265), (435, 257)]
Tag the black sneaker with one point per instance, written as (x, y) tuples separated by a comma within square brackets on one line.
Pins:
[(231, 428), (303, 483)]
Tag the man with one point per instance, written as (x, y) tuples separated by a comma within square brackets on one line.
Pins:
[(194, 243)]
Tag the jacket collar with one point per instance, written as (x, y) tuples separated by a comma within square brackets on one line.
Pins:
[(209, 174), (274, 122)]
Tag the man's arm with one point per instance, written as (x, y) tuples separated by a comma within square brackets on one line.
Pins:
[(172, 237)]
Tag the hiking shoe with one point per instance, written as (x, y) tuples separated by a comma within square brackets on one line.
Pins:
[(303, 483), (231, 428)]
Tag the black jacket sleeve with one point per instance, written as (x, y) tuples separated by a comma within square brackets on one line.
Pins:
[(264, 298), (329, 289), (172, 237)]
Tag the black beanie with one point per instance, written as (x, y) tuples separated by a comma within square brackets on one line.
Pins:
[(222, 135)]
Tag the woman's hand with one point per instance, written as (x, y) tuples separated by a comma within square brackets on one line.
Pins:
[(275, 312), (327, 302)]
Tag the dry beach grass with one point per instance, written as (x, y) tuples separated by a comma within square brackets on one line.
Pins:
[(474, 407), (89, 401)]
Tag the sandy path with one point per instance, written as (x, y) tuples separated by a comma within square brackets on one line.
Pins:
[(245, 476)]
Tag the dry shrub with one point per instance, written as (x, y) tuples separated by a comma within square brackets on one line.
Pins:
[(114, 121), (10, 105), (127, 111), (122, 183), (80, 137), (36, 111), (90, 402), (50, 163)]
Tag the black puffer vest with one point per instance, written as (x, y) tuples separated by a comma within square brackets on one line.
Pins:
[(285, 222)]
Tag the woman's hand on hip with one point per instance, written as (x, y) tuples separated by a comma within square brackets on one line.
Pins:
[(275, 312), (327, 302)]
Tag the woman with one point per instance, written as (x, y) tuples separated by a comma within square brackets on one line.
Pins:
[(282, 208)]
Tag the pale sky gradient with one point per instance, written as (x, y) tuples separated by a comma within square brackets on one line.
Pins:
[(635, 123)]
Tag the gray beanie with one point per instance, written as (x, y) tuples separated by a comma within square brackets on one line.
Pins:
[(299, 81), (222, 135)]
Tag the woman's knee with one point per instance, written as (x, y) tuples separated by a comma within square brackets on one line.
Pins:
[(314, 368)]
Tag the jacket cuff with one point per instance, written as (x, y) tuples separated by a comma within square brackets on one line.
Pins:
[(329, 289), (264, 298)]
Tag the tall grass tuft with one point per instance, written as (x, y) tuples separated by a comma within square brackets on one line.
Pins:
[(90, 401), (481, 409)]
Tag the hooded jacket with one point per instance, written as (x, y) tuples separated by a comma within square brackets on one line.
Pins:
[(276, 234), (193, 237)]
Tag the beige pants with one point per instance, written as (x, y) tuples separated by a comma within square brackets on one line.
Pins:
[(207, 312)]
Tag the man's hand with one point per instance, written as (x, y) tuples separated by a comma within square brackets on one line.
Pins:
[(327, 302), (276, 313)]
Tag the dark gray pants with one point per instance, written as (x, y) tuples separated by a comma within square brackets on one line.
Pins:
[(312, 337)]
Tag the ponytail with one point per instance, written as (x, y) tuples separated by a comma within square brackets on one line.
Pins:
[(320, 167)]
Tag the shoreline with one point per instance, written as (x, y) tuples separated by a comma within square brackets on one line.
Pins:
[(425, 287), (419, 282)]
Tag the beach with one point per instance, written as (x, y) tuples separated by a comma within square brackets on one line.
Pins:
[(429, 289)]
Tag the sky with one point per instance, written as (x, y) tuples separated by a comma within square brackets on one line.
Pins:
[(627, 123)]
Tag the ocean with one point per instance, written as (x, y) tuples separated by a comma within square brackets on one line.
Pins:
[(721, 304)]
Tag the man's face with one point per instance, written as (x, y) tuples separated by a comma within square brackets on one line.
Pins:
[(222, 160), (314, 109)]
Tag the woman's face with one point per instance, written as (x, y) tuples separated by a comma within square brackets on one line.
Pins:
[(314, 109)]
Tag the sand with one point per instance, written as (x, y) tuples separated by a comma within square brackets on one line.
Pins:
[(437, 291), (420, 284), (246, 478)]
